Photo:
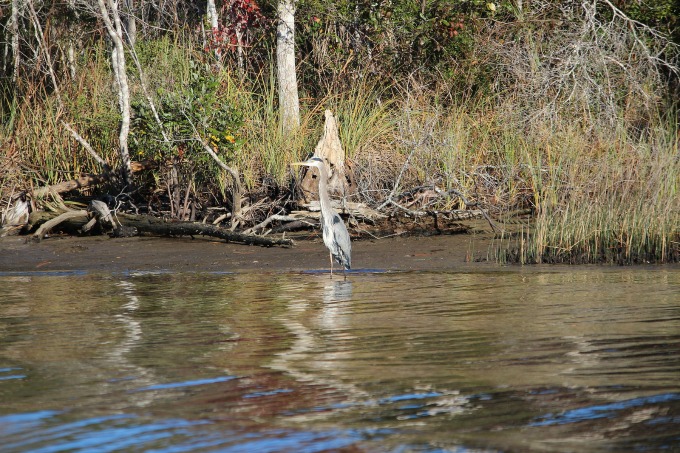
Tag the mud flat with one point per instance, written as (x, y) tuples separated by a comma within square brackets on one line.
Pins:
[(103, 254)]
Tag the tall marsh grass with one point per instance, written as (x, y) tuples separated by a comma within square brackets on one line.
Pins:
[(618, 204), (599, 194)]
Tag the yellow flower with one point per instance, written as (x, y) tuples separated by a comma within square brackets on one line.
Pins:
[(491, 7), (230, 138)]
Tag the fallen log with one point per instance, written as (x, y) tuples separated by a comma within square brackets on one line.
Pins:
[(75, 220), (161, 227)]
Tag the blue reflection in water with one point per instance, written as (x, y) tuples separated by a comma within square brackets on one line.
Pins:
[(11, 376), (174, 385), (101, 434), (409, 396), (267, 393), (31, 432), (602, 410), (16, 423)]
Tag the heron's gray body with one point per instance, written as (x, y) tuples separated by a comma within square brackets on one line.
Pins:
[(335, 235), (338, 244)]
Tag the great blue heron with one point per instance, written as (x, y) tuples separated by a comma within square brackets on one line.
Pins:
[(335, 234)]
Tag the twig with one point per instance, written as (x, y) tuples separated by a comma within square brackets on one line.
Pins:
[(270, 219), (87, 146), (236, 194), (149, 99), (420, 142), (492, 224)]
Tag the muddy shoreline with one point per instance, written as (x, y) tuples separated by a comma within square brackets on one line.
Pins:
[(104, 254), (101, 254)]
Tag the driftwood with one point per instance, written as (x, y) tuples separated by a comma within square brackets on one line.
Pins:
[(66, 186), (357, 210), (300, 221), (51, 223), (310, 217), (149, 225), (87, 180), (158, 226)]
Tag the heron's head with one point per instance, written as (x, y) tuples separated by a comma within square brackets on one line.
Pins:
[(313, 161)]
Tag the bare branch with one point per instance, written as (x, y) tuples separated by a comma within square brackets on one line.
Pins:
[(87, 146)]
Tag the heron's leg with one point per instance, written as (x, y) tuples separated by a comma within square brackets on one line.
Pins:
[(330, 255)]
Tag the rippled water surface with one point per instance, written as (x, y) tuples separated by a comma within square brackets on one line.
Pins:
[(582, 360)]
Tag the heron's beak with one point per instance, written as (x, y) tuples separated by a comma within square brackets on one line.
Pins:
[(298, 164)]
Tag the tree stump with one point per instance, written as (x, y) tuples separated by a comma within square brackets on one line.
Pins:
[(341, 180)]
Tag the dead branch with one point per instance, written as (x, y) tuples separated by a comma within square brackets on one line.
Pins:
[(85, 144), (47, 226), (80, 183), (279, 218), (357, 210), (156, 226), (415, 146), (233, 172), (492, 224)]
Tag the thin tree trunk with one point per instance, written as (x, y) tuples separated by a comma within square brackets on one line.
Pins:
[(240, 53), (213, 19), (71, 58), (212, 15), (130, 23), (14, 31), (289, 103), (114, 27), (71, 51), (41, 43), (237, 201), (145, 90)]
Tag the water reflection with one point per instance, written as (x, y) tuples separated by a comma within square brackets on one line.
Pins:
[(313, 321), (582, 360)]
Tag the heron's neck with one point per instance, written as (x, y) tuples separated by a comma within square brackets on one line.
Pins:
[(324, 199)]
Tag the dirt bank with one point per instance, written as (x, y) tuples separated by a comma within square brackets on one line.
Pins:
[(102, 254)]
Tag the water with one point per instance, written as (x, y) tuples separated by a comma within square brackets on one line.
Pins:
[(551, 359)]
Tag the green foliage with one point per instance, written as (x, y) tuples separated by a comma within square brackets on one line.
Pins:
[(385, 38), (198, 107), (663, 15)]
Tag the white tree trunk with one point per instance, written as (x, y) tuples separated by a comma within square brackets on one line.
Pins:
[(114, 27), (212, 15), (71, 51), (239, 53), (289, 103), (130, 23), (41, 45), (14, 31), (214, 21)]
